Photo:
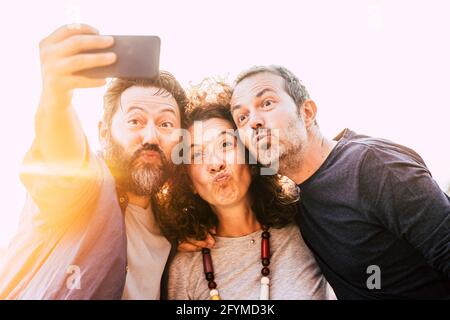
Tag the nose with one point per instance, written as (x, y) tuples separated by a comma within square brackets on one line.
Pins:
[(149, 135), (216, 167), (256, 122), (216, 163)]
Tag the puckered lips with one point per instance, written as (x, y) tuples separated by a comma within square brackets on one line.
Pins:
[(148, 156), (222, 177), (262, 140)]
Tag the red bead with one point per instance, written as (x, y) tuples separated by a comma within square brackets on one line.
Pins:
[(207, 263), (212, 285), (265, 271), (265, 249)]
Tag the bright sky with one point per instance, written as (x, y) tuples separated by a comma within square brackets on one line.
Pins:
[(379, 67)]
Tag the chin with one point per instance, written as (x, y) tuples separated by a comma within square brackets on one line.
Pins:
[(266, 159), (225, 201)]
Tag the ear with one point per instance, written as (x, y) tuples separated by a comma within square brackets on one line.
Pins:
[(309, 112), (102, 133)]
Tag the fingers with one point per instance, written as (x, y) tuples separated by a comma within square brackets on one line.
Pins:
[(192, 245), (70, 82), (80, 43), (213, 230), (207, 243), (83, 82), (187, 247), (210, 240), (66, 31), (63, 53), (84, 61)]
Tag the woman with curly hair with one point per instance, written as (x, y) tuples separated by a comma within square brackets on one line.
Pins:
[(259, 252)]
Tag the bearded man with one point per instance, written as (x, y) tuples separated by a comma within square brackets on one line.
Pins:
[(88, 229)]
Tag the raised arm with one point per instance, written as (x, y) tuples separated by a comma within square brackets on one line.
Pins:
[(59, 135)]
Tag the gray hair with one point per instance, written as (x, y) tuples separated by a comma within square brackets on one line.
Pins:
[(293, 86)]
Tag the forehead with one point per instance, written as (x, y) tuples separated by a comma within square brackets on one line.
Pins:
[(203, 132), (249, 88), (149, 99)]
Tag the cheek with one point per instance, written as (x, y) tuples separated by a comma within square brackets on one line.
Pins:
[(236, 157), (196, 174), (123, 136), (246, 177), (279, 117), (167, 145), (245, 135), (242, 176), (120, 138)]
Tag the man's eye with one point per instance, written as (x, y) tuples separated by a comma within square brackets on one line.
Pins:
[(133, 122), (267, 103), (242, 118)]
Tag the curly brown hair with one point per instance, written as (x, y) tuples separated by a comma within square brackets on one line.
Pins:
[(183, 214)]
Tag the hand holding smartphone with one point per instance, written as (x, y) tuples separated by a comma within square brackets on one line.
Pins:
[(137, 57)]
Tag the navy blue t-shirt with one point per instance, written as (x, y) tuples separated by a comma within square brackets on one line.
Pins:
[(374, 203)]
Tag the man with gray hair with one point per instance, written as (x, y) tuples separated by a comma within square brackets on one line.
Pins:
[(377, 222)]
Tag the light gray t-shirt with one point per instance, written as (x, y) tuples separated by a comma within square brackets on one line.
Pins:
[(294, 274), (147, 253)]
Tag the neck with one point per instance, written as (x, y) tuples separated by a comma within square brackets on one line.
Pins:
[(236, 220), (310, 158), (140, 201)]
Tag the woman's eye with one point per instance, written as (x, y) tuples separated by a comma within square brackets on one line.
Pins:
[(197, 155), (133, 122), (227, 144), (167, 124)]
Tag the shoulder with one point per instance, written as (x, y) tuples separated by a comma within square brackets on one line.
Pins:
[(286, 231), (185, 262), (374, 154), (287, 238)]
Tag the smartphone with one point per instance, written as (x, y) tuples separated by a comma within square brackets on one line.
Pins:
[(137, 57)]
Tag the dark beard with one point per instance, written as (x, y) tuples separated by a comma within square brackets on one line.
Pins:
[(141, 180)]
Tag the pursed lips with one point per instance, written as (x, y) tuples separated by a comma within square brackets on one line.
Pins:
[(148, 155), (222, 177), (259, 137)]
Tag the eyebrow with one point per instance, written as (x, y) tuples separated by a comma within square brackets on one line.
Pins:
[(142, 109), (235, 107), (258, 95), (221, 133)]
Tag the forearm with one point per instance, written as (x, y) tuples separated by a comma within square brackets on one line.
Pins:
[(63, 54), (59, 135)]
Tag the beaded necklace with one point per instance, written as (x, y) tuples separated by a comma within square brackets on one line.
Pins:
[(265, 271)]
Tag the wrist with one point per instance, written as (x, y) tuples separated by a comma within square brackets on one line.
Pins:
[(53, 100)]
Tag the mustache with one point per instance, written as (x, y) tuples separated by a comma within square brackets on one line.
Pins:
[(261, 130), (148, 147)]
